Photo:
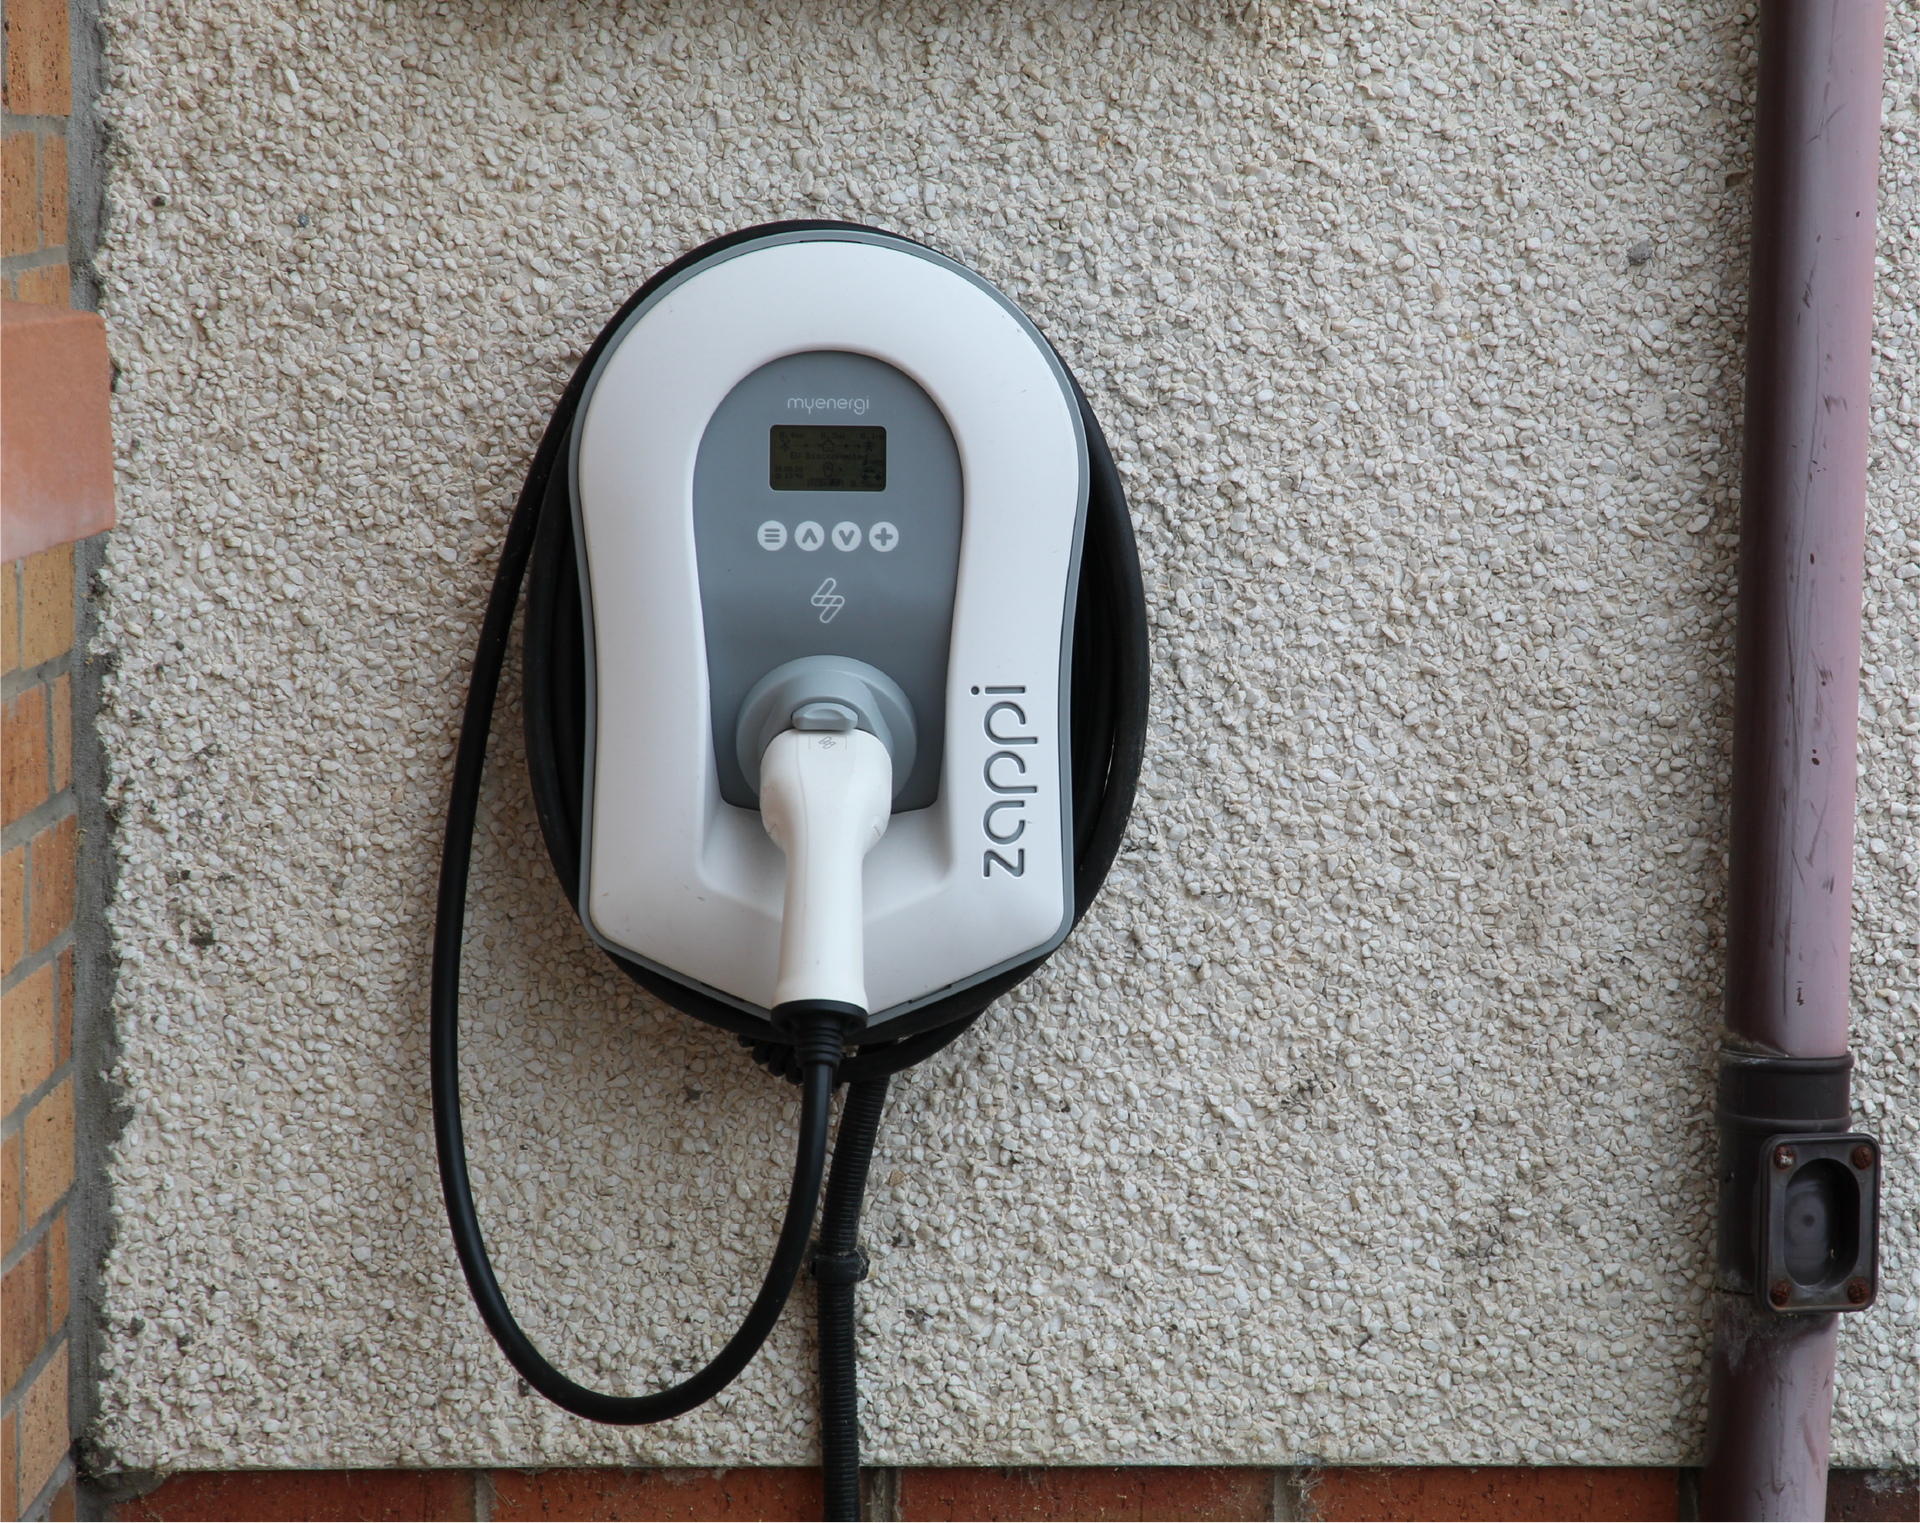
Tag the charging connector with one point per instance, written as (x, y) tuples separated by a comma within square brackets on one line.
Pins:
[(825, 796)]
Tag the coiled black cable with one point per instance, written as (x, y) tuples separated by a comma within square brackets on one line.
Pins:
[(1108, 740), (817, 1053)]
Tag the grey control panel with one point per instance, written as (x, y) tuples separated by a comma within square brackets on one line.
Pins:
[(826, 517)]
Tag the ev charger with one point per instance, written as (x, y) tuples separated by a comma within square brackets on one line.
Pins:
[(791, 423), (835, 682)]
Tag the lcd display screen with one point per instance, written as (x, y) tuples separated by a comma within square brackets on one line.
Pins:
[(818, 458)]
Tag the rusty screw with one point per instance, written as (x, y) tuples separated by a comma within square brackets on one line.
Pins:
[(1858, 1291), (1783, 1157), (1780, 1292), (1863, 1158)]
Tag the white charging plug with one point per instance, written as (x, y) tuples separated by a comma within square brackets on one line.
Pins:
[(825, 797)]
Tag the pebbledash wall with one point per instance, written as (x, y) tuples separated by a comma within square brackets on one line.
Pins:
[(1366, 1118)]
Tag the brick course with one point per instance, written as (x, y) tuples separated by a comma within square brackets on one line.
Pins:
[(1064, 1492)]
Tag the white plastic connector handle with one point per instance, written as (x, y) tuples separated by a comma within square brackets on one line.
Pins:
[(825, 797)]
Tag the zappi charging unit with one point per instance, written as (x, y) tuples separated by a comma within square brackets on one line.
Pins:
[(846, 447)]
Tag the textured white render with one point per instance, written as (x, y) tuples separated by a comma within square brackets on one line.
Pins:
[(1367, 1115)]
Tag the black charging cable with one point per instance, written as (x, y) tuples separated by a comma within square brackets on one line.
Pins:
[(1108, 740), (839, 1265)]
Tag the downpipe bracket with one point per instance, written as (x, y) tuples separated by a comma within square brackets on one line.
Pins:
[(1799, 1219)]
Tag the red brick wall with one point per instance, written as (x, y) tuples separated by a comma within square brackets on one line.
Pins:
[(37, 877), (1064, 1492), (39, 822)]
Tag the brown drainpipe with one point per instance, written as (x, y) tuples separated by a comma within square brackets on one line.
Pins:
[(1796, 700)]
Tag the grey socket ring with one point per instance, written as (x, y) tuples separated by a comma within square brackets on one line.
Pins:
[(878, 705)]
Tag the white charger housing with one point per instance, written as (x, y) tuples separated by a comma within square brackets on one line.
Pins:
[(672, 875)]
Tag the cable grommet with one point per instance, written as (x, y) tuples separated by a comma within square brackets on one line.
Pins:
[(840, 1268)]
